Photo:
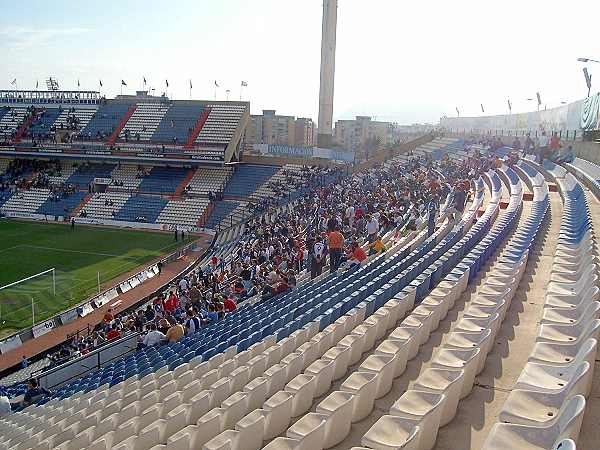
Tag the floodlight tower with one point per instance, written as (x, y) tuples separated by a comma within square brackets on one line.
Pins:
[(325, 126)]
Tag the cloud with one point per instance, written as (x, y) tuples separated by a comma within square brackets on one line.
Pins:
[(24, 38)]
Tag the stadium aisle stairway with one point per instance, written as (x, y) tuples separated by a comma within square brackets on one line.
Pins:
[(221, 210)]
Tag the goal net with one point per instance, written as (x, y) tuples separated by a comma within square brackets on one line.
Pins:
[(25, 300)]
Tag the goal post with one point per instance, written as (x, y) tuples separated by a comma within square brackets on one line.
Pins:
[(27, 296), (37, 275)]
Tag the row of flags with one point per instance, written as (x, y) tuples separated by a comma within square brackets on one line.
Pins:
[(123, 83)]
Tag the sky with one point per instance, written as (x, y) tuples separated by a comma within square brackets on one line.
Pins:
[(399, 61)]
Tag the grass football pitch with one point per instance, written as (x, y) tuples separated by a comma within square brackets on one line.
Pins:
[(28, 248)]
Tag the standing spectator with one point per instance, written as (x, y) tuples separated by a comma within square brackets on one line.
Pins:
[(336, 245), (431, 210), (109, 316), (24, 362), (192, 324), (317, 259), (372, 228)]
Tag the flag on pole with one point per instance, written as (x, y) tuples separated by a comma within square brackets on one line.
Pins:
[(78, 85), (539, 98), (144, 81), (482, 110), (216, 84), (100, 83), (190, 84), (244, 84), (509, 105), (13, 82), (37, 83), (457, 111), (123, 83), (167, 83)]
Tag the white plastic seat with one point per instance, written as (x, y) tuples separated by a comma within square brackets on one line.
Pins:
[(257, 366), (421, 325), (552, 379), (221, 389), (303, 388), (524, 437), (246, 437), (393, 433), (408, 335), (467, 360), (370, 332), (239, 378), (273, 354), (384, 366), (398, 348), (468, 340), (276, 378), (195, 408), (309, 354), (356, 343), (562, 316), (559, 354), (569, 333), (322, 369), (234, 408), (473, 324), (364, 387), (442, 381), (340, 355), (309, 431), (257, 392), (571, 300), (338, 407), (167, 427), (294, 364), (424, 407)]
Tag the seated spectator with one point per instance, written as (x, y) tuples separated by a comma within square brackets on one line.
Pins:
[(356, 254), (154, 337), (176, 332), (5, 407), (566, 156), (229, 304), (34, 392), (114, 333), (149, 313)]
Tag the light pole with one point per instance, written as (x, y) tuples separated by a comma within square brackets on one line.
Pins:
[(584, 60)]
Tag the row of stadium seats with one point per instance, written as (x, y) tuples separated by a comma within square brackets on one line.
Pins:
[(548, 399), (209, 180), (183, 212)]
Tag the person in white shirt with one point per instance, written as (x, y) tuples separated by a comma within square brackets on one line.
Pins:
[(154, 337), (5, 408), (350, 215), (183, 284), (372, 229)]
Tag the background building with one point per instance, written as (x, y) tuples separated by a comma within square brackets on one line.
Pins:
[(363, 133), (271, 128)]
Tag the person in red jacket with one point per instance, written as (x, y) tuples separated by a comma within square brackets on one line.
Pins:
[(229, 304), (172, 303)]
